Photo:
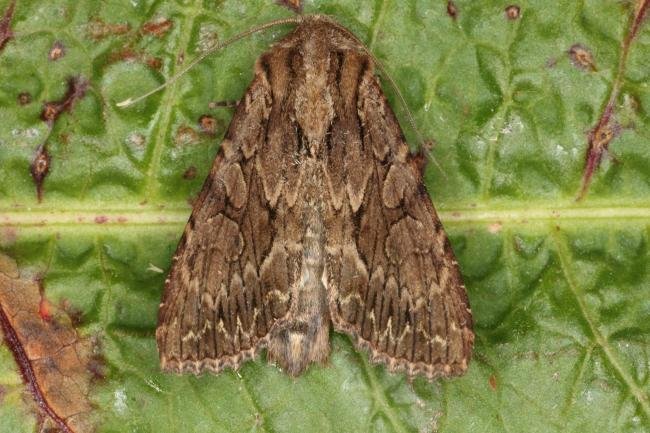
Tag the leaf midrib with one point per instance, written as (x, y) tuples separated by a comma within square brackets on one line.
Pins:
[(177, 215)]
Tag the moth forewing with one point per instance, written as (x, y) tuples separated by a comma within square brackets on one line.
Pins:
[(314, 212)]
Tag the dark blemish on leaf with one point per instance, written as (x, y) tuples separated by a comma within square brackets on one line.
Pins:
[(39, 168), (157, 28), (493, 382), (76, 90), (551, 62), (513, 12), (57, 51), (190, 173), (185, 135), (97, 368), (294, 5), (3, 392), (123, 55), (98, 29), (101, 219), (5, 25), (208, 124), (452, 9), (154, 62), (24, 98), (581, 57), (127, 54), (122, 220)]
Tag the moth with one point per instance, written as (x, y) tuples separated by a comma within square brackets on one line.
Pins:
[(314, 216)]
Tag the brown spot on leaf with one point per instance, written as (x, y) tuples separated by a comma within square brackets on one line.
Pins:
[(185, 135), (452, 9), (57, 51), (5, 25), (493, 382), (294, 5), (190, 173), (581, 57), (24, 98), (154, 62), (130, 54), (98, 29), (598, 139), (97, 367), (157, 28), (77, 87), (51, 357), (39, 168), (208, 124), (513, 12), (101, 219)]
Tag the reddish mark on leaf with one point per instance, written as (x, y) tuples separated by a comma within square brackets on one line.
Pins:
[(5, 25), (57, 51), (452, 9), (77, 87), (294, 5), (44, 310), (190, 173), (130, 54), (122, 219), (101, 219), (3, 391), (24, 98), (154, 62), (157, 28), (495, 228), (39, 168), (581, 57), (98, 29), (513, 12), (598, 139), (493, 382), (208, 124), (606, 129)]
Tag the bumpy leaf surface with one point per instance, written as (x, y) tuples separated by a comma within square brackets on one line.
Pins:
[(560, 288)]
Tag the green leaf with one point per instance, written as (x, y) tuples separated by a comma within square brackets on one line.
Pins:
[(560, 289)]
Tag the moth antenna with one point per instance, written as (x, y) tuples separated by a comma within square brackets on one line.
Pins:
[(409, 115), (217, 47)]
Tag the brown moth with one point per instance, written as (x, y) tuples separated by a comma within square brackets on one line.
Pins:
[(314, 214)]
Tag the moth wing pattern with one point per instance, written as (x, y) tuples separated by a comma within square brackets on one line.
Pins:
[(394, 284), (230, 275)]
